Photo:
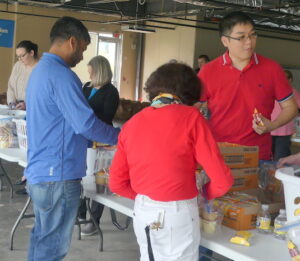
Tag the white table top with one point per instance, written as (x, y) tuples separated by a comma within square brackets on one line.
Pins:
[(263, 247), (14, 155)]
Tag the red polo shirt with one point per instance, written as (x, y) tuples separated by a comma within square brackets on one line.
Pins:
[(232, 95)]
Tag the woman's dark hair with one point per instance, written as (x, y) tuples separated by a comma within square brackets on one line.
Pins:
[(66, 27), (29, 46), (175, 78), (231, 20)]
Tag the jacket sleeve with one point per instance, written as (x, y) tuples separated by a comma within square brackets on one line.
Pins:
[(79, 115), (119, 178), (210, 158)]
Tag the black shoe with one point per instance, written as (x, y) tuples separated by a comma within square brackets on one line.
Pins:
[(21, 191), (20, 182)]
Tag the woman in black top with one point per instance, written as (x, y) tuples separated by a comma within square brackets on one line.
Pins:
[(103, 98)]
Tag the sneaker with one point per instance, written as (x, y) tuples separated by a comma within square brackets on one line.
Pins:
[(21, 191), (88, 229), (20, 182)]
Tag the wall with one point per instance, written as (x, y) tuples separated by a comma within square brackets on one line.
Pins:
[(36, 29), (7, 56), (165, 45)]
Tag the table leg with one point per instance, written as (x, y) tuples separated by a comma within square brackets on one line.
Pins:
[(116, 223), (1, 184), (4, 173), (21, 216), (87, 200)]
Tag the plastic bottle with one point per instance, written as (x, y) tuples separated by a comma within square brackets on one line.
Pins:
[(279, 222), (263, 221)]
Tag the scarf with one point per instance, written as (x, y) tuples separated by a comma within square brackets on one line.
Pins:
[(166, 98)]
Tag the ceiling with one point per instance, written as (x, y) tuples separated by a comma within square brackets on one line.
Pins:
[(275, 15)]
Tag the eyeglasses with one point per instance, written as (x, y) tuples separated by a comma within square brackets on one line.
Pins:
[(243, 38), (21, 56)]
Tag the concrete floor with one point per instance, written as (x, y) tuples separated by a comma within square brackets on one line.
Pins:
[(118, 245)]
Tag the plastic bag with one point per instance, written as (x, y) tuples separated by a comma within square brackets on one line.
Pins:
[(8, 133)]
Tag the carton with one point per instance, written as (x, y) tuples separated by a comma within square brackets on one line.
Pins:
[(241, 208), (238, 156), (244, 179), (275, 203)]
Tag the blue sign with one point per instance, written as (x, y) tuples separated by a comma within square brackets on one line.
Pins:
[(7, 33)]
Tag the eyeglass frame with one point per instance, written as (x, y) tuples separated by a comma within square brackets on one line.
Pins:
[(242, 38), (21, 56)]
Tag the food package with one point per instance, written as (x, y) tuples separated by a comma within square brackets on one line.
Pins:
[(211, 217), (293, 251), (241, 238), (240, 210), (8, 133), (272, 186), (101, 180)]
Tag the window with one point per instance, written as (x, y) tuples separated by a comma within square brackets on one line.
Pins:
[(108, 45)]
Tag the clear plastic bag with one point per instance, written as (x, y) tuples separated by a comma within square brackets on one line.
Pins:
[(267, 181), (8, 133)]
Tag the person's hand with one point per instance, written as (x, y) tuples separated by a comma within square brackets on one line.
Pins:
[(290, 160), (260, 124), (21, 106)]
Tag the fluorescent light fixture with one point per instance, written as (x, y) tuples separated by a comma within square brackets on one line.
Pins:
[(137, 29)]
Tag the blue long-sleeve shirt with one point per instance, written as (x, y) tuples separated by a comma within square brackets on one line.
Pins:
[(59, 123)]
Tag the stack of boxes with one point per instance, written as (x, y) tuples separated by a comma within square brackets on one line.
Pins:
[(243, 162), (242, 203)]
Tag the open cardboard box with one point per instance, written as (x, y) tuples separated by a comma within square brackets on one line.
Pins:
[(275, 202)]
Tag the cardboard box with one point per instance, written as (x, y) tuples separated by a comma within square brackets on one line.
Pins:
[(244, 179), (238, 156), (275, 203), (241, 208)]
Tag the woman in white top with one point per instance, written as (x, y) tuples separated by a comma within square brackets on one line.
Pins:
[(27, 53)]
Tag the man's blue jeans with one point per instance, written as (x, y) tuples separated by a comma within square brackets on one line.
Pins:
[(55, 206)]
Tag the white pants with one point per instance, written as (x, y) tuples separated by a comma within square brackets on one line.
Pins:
[(179, 237)]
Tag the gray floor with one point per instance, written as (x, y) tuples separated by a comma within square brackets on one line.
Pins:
[(118, 245)]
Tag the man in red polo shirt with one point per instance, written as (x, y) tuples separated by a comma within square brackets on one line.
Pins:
[(240, 81)]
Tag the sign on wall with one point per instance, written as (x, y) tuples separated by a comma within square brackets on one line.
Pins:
[(7, 33)]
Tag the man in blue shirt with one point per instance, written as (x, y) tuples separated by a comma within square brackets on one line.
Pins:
[(59, 124)]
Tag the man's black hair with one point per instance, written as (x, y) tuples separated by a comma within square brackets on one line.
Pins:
[(232, 19), (66, 27), (204, 56)]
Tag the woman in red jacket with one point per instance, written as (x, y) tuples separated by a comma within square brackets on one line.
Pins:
[(157, 155)]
